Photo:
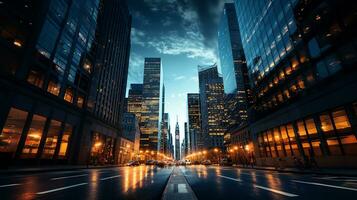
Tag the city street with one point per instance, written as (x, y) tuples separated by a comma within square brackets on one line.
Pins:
[(111, 183), (149, 182)]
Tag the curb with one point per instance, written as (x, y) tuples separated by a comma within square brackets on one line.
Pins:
[(31, 171), (301, 171)]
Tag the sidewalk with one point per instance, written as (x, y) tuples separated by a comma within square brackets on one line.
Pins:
[(330, 172), (177, 187), (41, 169)]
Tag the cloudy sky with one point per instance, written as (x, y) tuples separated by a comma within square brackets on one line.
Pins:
[(184, 34)]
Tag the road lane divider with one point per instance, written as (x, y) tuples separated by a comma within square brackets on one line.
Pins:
[(9, 185), (67, 177), (61, 188), (325, 185), (111, 177), (276, 191), (233, 179)]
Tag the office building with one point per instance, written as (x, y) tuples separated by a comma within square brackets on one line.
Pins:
[(151, 111), (234, 68), (135, 100), (194, 123), (301, 58), (48, 71), (213, 121)]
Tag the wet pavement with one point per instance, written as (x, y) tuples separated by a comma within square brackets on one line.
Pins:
[(142, 182), (149, 182)]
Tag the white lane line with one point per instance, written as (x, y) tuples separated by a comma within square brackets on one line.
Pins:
[(9, 185), (61, 188), (233, 179), (276, 191), (111, 177), (325, 185), (65, 177)]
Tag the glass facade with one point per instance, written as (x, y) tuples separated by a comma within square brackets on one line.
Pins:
[(152, 106), (234, 68)]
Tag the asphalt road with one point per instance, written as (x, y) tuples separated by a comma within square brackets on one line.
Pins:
[(148, 182), (231, 183), (143, 182)]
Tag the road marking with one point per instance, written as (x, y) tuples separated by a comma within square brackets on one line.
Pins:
[(65, 177), (61, 188), (276, 191), (9, 185), (233, 179), (111, 177), (326, 185)]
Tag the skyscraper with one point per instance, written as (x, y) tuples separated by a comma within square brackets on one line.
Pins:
[(186, 141), (52, 115), (213, 119), (177, 142), (135, 100), (194, 122), (164, 147), (151, 112), (301, 61), (234, 68)]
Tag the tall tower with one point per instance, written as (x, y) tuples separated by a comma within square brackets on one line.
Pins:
[(152, 107), (212, 106), (177, 141), (194, 122), (234, 67)]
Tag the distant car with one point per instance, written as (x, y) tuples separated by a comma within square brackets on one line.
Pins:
[(226, 162), (160, 164), (133, 163), (188, 162), (206, 162)]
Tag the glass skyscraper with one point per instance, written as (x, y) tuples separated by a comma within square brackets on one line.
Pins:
[(301, 58), (151, 112), (234, 68)]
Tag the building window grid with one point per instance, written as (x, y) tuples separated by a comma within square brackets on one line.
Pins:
[(265, 147)]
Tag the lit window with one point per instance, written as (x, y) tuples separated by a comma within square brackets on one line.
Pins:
[(301, 128), (80, 101), (310, 126), (65, 141), (340, 119), (51, 139), (11, 133), (326, 123), (53, 88), (34, 136), (68, 96)]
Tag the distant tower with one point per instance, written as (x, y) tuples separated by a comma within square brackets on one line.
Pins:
[(177, 141)]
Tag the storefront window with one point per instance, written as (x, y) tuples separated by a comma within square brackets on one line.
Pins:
[(51, 139), (347, 137), (67, 133), (293, 143), (285, 139), (331, 139), (34, 136), (12, 130)]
